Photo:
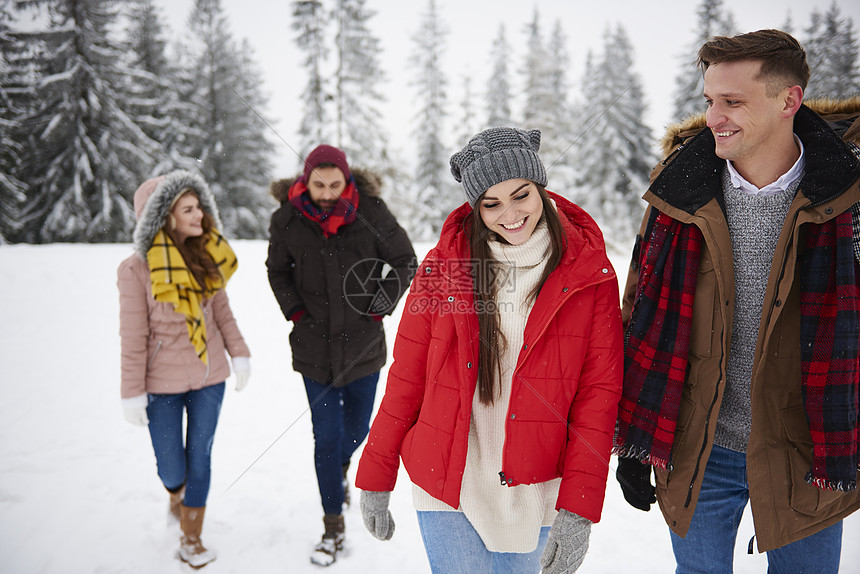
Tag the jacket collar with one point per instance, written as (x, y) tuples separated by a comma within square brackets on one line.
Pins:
[(692, 174), (585, 244)]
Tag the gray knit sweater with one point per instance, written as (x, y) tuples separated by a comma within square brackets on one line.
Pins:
[(755, 222)]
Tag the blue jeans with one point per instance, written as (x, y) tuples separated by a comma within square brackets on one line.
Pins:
[(709, 545), (453, 545), (189, 464), (341, 421)]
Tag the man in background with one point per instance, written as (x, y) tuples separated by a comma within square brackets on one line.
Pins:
[(331, 242)]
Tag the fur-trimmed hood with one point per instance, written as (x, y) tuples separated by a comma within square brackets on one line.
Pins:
[(153, 199), (829, 109), (367, 183)]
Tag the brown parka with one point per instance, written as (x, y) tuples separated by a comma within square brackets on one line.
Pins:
[(687, 186), (344, 283)]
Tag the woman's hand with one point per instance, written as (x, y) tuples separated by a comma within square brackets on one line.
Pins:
[(375, 514), (242, 371), (567, 543), (134, 410)]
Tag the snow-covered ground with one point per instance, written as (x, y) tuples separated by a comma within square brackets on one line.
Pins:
[(78, 487)]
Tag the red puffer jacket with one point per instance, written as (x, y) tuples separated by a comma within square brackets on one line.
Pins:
[(566, 384)]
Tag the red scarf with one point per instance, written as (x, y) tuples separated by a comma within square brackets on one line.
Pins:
[(343, 213), (657, 337)]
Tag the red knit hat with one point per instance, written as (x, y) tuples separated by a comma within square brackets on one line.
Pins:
[(325, 154)]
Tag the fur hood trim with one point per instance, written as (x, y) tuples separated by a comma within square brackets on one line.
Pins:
[(153, 199), (367, 183), (676, 133)]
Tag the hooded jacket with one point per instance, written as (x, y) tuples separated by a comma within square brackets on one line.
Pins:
[(338, 281), (565, 386), (157, 355), (687, 187)]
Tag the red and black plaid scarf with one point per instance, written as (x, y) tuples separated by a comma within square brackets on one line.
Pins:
[(343, 213), (658, 333)]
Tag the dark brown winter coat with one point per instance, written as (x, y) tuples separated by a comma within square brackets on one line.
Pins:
[(338, 281), (687, 187)]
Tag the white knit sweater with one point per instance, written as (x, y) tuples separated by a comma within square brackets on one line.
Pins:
[(508, 519)]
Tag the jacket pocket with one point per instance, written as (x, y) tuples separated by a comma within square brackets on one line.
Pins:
[(154, 354), (426, 454), (682, 431), (704, 307), (437, 359), (306, 338), (300, 269), (805, 498)]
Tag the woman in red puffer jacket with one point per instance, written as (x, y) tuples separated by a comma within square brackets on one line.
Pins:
[(507, 370)]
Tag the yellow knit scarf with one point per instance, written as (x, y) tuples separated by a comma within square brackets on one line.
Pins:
[(173, 282)]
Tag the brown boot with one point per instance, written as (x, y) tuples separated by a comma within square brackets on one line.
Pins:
[(176, 500), (325, 553), (191, 549)]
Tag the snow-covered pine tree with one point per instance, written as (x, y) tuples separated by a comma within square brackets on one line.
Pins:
[(556, 149), (228, 133), (250, 164), (12, 196), (538, 105), (358, 94), (84, 155), (788, 24), (712, 19), (831, 51), (466, 124), (309, 25), (433, 193), (152, 96), (613, 153), (498, 97)]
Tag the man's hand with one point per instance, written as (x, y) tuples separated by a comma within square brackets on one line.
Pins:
[(635, 480)]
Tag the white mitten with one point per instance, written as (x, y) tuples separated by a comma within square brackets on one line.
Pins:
[(134, 410), (242, 371)]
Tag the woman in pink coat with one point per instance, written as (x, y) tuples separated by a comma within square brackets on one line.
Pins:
[(507, 373), (175, 326)]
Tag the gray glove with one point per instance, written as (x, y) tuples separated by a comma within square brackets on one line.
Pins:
[(567, 543), (374, 511)]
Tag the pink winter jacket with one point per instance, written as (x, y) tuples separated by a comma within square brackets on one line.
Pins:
[(157, 355)]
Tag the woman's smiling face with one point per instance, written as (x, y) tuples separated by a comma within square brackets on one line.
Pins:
[(188, 216), (511, 209)]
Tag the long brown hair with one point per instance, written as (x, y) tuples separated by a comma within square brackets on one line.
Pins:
[(492, 341), (193, 249)]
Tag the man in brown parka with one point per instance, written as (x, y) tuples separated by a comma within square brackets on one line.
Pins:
[(742, 318)]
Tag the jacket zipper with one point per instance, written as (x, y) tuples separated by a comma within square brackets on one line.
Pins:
[(152, 358), (705, 441), (782, 267), (206, 373), (716, 391), (503, 479)]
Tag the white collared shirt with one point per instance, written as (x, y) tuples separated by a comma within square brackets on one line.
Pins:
[(780, 185)]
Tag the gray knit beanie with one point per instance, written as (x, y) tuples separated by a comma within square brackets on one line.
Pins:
[(496, 155)]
